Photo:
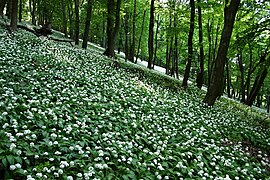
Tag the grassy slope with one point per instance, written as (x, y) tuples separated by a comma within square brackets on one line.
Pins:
[(67, 112)]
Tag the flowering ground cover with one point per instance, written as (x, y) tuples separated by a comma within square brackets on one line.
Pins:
[(66, 113)]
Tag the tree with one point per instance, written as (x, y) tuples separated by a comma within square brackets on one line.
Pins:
[(190, 41), (87, 24), (112, 29), (264, 61), (200, 75), (151, 35), (77, 22), (64, 14), (141, 34), (14, 15), (132, 48), (216, 86)]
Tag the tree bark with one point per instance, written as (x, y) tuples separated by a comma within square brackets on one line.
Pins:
[(14, 15), (209, 30), (216, 86), (259, 79), (70, 17), (228, 78), (2, 6), (190, 47), (151, 35), (156, 42), (140, 38), (64, 16), (87, 24), (33, 12), (200, 76), (112, 30), (242, 80), (249, 70), (20, 11), (132, 47), (77, 23), (126, 28)]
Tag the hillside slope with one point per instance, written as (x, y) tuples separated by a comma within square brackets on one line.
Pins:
[(67, 113)]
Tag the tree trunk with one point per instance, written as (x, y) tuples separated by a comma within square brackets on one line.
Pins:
[(20, 11), (258, 80), (33, 12), (2, 6), (228, 78), (126, 27), (167, 56), (9, 9), (249, 70), (216, 86), (132, 47), (209, 30), (14, 15), (87, 24), (190, 47), (140, 38), (242, 85), (151, 35), (201, 72), (64, 28), (77, 23), (112, 30), (104, 30), (70, 17), (176, 50), (156, 42)]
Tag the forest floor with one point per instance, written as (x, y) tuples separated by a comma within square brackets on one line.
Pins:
[(69, 113)]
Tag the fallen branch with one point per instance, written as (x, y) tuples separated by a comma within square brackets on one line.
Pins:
[(44, 32)]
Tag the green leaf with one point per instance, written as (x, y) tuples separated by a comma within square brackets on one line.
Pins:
[(10, 159), (5, 163)]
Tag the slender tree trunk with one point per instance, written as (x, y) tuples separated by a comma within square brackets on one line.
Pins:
[(249, 70), (104, 31), (33, 12), (20, 11), (156, 42), (9, 9), (241, 68), (258, 80), (112, 30), (87, 24), (167, 56), (77, 22), (190, 41), (151, 35), (216, 86), (14, 15), (64, 14), (140, 38), (126, 27), (132, 47), (201, 72), (2, 6), (228, 78), (209, 30), (70, 17)]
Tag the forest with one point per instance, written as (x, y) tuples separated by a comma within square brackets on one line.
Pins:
[(76, 102)]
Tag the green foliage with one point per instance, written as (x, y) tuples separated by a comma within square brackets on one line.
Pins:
[(67, 113)]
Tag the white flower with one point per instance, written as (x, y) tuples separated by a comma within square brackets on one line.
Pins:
[(32, 144), (79, 174), (34, 136), (12, 167), (39, 175), (159, 177), (12, 146), (18, 166), (69, 178), (71, 163), (60, 171), (36, 156), (19, 152), (5, 125), (51, 159)]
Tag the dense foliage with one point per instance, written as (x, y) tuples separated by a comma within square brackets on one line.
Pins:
[(67, 113)]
